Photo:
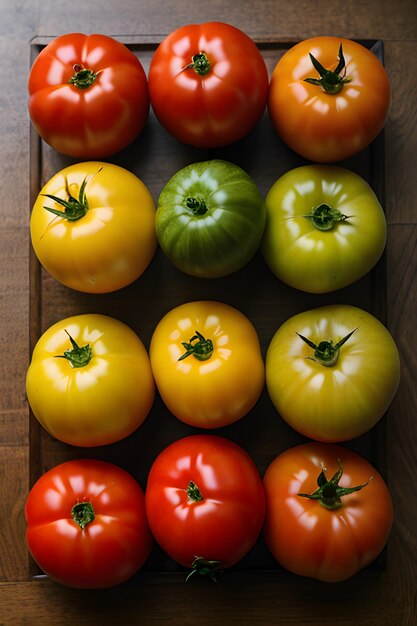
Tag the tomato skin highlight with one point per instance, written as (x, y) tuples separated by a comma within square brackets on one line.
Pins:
[(306, 256), (101, 402), (217, 391), (225, 524), (328, 127), (109, 549), (112, 244), (338, 402), (212, 109), (89, 122), (311, 540)]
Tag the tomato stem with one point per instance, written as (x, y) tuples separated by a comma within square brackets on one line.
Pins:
[(331, 81), (78, 357), (82, 513), (329, 493), (75, 208), (83, 77), (325, 217), (326, 352), (204, 567), (194, 492), (198, 207), (201, 350), (200, 64)]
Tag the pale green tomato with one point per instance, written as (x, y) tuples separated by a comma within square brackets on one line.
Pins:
[(325, 228), (332, 372)]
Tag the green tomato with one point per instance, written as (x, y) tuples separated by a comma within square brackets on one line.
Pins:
[(325, 228), (210, 219)]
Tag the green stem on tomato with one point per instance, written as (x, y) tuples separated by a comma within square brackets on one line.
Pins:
[(325, 217), (204, 567), (78, 356), (197, 207), (83, 78), (74, 208), (331, 82), (199, 63), (329, 493), (202, 349), (326, 352), (194, 492), (82, 513)]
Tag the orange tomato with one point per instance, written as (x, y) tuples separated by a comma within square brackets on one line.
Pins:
[(328, 511), (207, 363), (329, 98)]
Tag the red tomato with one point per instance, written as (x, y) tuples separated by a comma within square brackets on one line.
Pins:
[(88, 95), (342, 528), (86, 524), (205, 502), (331, 105), (208, 84)]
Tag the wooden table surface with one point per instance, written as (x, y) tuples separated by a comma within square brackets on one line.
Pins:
[(374, 597)]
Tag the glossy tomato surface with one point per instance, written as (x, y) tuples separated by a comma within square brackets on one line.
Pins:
[(88, 95), (86, 524), (339, 533), (339, 385), (208, 84), (103, 237), (207, 363), (210, 218), (338, 118), (325, 228), (90, 382), (205, 500)]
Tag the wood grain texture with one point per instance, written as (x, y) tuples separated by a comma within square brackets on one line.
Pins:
[(266, 19), (259, 603), (401, 133), (379, 596)]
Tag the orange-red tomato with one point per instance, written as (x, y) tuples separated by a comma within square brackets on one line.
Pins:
[(208, 84), (329, 98), (87, 525), (88, 95), (339, 531), (205, 502)]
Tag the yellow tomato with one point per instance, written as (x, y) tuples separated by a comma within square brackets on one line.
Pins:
[(93, 227), (332, 372), (207, 363), (90, 381)]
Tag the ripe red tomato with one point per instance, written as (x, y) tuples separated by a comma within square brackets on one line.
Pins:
[(86, 524), (329, 98), (328, 511), (88, 95), (208, 84), (205, 502)]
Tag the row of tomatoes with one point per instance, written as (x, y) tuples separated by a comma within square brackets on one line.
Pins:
[(95, 228), (90, 525), (208, 86), (330, 373)]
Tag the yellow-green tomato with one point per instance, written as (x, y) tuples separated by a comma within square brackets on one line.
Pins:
[(207, 363), (332, 372), (325, 228), (90, 382), (93, 227)]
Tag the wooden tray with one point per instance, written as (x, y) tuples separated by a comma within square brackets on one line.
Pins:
[(154, 157)]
